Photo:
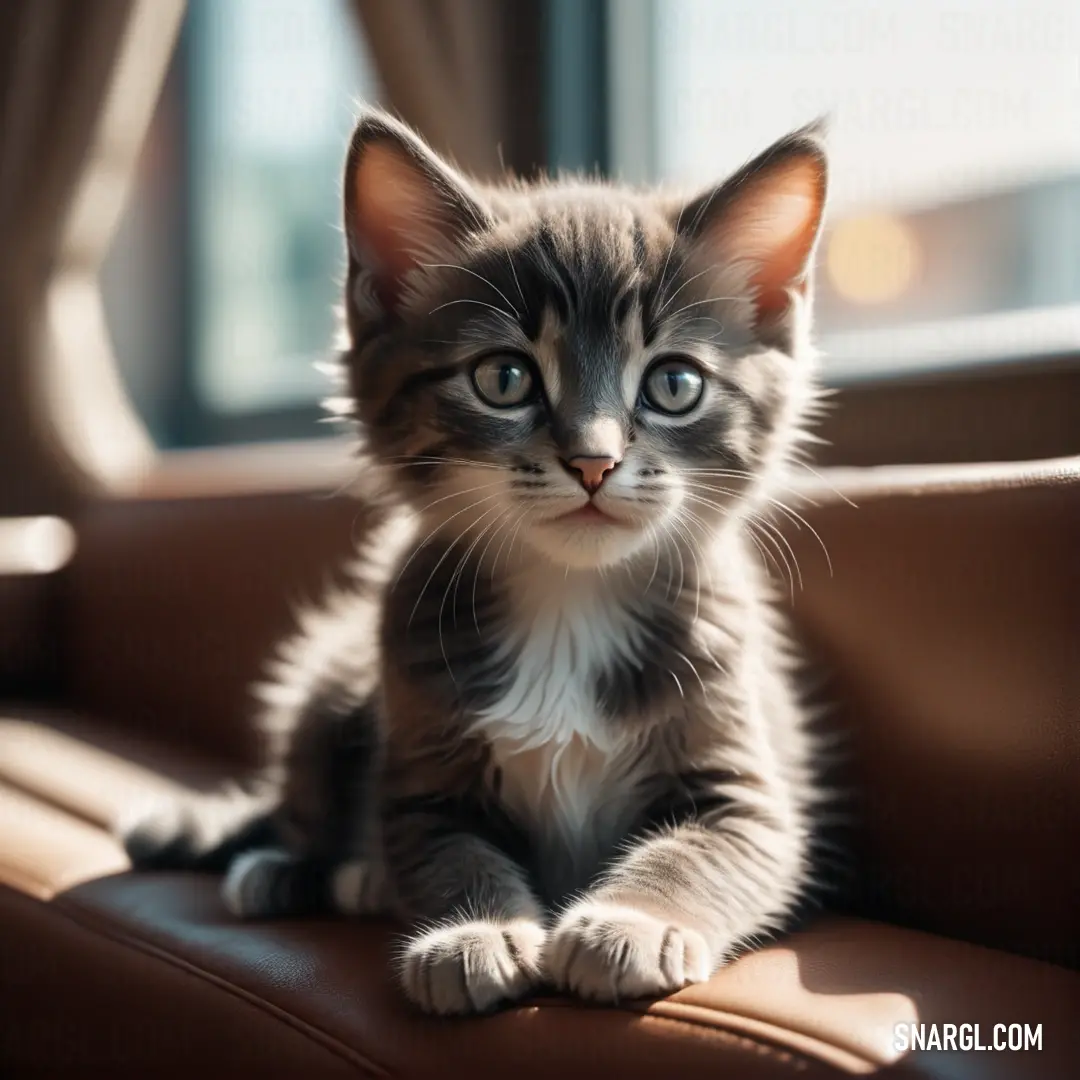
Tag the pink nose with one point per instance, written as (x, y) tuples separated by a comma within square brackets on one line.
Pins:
[(592, 471)]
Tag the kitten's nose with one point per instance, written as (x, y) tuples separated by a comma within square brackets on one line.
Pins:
[(591, 471)]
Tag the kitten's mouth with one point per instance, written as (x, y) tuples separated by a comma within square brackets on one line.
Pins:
[(589, 514)]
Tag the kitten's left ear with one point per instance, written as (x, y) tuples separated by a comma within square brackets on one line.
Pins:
[(766, 220), (404, 206)]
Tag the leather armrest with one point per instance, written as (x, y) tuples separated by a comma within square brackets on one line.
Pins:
[(950, 625), (28, 635)]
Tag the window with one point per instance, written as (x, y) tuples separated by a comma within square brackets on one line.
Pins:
[(954, 228), (222, 284), (955, 140)]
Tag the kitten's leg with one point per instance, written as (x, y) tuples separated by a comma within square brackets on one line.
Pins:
[(196, 830), (294, 843), (680, 901), (312, 795), (325, 858), (264, 883), (267, 883), (485, 945)]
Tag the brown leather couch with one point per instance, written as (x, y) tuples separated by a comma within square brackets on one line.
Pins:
[(950, 626)]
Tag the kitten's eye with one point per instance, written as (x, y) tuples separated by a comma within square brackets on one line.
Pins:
[(673, 387), (503, 381)]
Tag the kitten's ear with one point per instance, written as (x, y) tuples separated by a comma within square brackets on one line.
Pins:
[(404, 206), (765, 220)]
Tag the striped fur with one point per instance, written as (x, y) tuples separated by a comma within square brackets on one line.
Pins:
[(564, 751)]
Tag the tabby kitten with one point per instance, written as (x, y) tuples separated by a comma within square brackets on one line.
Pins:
[(551, 721)]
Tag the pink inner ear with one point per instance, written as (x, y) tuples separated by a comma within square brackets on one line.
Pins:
[(774, 225), (397, 218)]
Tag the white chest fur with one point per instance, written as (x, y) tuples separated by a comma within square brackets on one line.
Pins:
[(561, 761)]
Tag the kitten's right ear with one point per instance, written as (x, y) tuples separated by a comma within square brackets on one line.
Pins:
[(404, 206), (766, 219)]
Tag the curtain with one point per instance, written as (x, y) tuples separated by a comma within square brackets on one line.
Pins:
[(468, 74), (64, 107)]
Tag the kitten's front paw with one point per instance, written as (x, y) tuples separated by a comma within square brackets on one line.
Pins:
[(472, 967), (158, 833), (612, 952)]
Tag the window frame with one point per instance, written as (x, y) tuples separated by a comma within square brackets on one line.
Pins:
[(601, 67), (187, 420), (980, 344)]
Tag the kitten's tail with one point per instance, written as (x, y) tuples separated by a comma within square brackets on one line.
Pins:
[(194, 830)]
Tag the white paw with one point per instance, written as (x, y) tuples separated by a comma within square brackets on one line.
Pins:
[(472, 967), (250, 885), (611, 952)]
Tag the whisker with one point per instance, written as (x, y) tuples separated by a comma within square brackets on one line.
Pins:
[(682, 567), (690, 517), (699, 303), (342, 487), (446, 592), (456, 494), (441, 525), (671, 248), (442, 559), (500, 525), (771, 545), (738, 474), (457, 574), (513, 270), (709, 318), (686, 659), (734, 474), (700, 273), (498, 553), (792, 515), (690, 545), (677, 683), (408, 460), (783, 540), (479, 277), (799, 522), (656, 560), (705, 531), (513, 539), (479, 303), (712, 490), (693, 521), (764, 552), (836, 491)]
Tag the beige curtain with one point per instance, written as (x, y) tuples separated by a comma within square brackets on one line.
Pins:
[(468, 74), (57, 64)]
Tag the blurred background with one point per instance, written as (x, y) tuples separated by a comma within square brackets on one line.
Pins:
[(954, 233)]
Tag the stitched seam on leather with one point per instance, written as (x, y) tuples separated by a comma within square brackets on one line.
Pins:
[(26, 883), (44, 888), (793, 1059), (101, 926), (705, 1017), (796, 1059)]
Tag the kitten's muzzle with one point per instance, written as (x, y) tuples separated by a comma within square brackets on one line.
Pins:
[(590, 472)]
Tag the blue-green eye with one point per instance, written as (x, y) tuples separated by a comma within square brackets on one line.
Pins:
[(503, 381), (673, 387)]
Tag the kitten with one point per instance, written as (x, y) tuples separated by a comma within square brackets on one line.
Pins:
[(551, 722)]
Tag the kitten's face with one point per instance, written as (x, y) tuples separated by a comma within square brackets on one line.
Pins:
[(575, 368)]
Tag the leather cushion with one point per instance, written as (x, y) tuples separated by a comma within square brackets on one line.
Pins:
[(149, 971)]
